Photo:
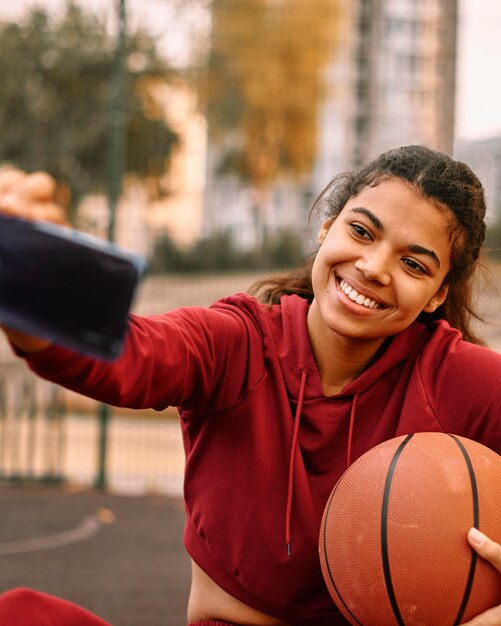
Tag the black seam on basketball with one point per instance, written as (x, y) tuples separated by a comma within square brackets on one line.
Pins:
[(384, 532), (476, 516), (326, 560)]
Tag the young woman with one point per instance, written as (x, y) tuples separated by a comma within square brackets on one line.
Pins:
[(279, 393)]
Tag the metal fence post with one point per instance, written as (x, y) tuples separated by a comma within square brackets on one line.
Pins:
[(117, 152)]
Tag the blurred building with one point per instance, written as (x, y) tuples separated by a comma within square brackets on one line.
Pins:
[(390, 82), (484, 157)]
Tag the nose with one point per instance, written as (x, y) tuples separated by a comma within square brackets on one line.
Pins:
[(375, 266)]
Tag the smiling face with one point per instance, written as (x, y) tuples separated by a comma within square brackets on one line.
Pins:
[(380, 264)]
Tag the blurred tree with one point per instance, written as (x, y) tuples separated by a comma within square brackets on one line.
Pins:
[(264, 84), (56, 93)]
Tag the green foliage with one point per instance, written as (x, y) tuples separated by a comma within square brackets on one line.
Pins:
[(219, 253), (216, 252), (285, 249), (56, 95), (167, 257)]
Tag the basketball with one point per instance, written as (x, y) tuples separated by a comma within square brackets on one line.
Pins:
[(393, 546)]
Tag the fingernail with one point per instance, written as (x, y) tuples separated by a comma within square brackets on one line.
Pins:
[(476, 536)]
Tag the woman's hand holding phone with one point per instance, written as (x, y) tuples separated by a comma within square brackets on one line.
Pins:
[(32, 197)]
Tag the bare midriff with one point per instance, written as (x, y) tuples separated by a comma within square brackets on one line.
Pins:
[(209, 602)]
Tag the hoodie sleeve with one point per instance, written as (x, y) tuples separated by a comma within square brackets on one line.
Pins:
[(463, 384), (180, 358)]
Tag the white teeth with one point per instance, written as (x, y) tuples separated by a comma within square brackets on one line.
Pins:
[(357, 297)]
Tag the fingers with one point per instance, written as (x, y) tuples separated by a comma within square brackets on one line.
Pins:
[(46, 211), (49, 211), (491, 552), (485, 547), (492, 617), (10, 178), (30, 196), (37, 186)]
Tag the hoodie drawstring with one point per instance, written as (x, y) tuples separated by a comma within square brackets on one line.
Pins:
[(350, 430), (290, 486), (294, 445)]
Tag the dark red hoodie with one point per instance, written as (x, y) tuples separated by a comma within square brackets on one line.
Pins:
[(264, 445)]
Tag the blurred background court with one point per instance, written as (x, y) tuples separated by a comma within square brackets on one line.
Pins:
[(198, 133)]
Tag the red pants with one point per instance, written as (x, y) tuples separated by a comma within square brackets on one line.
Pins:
[(26, 607), (212, 622)]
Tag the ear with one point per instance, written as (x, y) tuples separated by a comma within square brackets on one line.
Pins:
[(324, 229), (437, 300)]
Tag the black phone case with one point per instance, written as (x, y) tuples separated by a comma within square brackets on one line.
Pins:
[(71, 288)]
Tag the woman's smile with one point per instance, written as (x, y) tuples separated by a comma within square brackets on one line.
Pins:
[(358, 296)]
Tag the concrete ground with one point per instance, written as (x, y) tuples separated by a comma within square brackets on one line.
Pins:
[(121, 557)]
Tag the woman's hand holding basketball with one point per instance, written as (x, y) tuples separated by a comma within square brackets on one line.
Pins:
[(33, 197), (490, 551)]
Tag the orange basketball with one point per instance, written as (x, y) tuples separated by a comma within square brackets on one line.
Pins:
[(393, 544)]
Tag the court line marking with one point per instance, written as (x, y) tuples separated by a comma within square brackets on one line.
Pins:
[(87, 528)]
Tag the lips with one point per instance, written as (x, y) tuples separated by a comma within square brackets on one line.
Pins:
[(357, 297)]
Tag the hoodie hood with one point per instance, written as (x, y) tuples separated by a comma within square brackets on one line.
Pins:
[(294, 351)]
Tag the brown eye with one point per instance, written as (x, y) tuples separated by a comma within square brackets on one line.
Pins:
[(414, 266), (360, 232)]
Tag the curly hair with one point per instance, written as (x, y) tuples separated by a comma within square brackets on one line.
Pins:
[(450, 185)]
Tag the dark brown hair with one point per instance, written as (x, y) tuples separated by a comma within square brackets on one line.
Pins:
[(450, 184)]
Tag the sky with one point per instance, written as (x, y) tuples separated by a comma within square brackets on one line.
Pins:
[(478, 101)]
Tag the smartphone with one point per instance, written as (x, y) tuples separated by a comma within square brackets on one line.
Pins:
[(71, 288)]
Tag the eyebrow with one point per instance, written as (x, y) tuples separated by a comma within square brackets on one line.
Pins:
[(375, 220), (416, 248), (420, 250)]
